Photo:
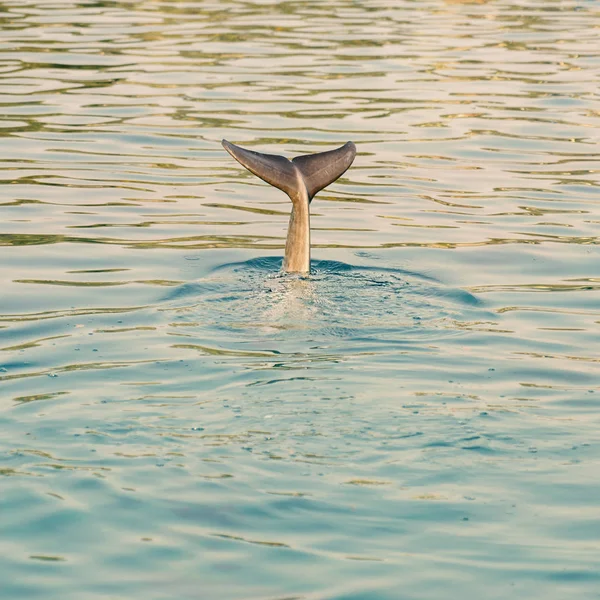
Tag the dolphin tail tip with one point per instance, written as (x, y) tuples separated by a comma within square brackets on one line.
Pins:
[(321, 169)]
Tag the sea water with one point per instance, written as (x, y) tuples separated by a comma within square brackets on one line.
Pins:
[(418, 418)]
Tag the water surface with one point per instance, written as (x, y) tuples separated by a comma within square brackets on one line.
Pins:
[(417, 419)]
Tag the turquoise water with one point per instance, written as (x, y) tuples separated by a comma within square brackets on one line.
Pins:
[(418, 419)]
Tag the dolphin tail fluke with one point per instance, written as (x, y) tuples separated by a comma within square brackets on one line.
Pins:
[(305, 174)]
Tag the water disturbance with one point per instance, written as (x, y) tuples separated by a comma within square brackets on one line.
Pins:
[(418, 418)]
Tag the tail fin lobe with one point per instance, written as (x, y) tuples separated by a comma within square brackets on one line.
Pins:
[(319, 170), (274, 169)]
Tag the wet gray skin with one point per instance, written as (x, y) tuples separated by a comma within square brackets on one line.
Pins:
[(301, 179)]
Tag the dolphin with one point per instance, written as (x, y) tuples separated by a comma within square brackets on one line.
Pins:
[(301, 179)]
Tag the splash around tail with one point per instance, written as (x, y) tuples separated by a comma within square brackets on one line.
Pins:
[(301, 179)]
